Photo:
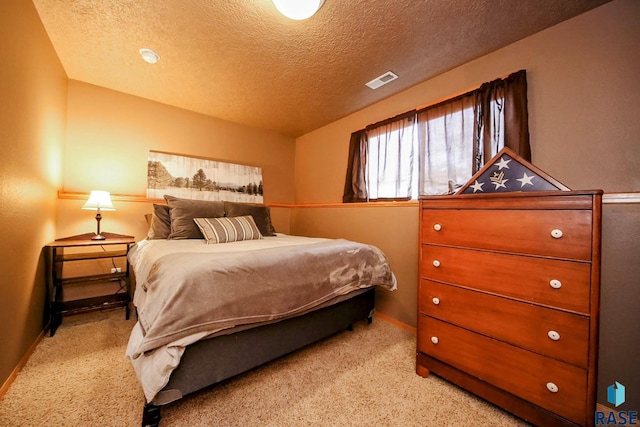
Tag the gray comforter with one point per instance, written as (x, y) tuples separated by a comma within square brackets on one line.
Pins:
[(190, 293)]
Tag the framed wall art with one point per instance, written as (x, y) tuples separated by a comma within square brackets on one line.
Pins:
[(202, 179)]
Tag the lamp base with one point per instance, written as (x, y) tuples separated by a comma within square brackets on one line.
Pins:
[(98, 236)]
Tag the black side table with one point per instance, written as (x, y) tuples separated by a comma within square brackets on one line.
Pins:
[(82, 248)]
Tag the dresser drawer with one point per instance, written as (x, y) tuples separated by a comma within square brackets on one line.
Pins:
[(554, 233), (563, 284), (520, 372), (561, 335)]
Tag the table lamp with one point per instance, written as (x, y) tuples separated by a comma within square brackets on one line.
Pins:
[(99, 200)]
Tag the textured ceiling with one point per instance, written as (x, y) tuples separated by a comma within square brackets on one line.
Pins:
[(240, 60)]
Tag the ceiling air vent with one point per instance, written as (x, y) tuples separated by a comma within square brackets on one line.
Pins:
[(382, 80)]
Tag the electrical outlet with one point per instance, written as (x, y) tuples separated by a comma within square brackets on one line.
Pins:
[(116, 270)]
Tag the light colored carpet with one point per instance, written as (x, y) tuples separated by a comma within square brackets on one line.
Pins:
[(80, 377)]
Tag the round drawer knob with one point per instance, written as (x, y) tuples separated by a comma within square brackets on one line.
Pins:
[(556, 233), (552, 387), (436, 263), (437, 227), (554, 335), (434, 340), (436, 300), (555, 284)]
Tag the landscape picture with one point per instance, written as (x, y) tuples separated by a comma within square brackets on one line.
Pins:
[(202, 179)]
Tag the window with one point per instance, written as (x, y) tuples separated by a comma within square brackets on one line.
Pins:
[(391, 172), (446, 139), (436, 150)]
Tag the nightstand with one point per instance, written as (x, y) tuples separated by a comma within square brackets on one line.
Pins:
[(88, 262)]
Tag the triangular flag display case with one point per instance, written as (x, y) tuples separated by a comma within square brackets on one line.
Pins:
[(508, 172), (509, 291)]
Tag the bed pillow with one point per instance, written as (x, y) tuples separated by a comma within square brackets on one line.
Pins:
[(261, 215), (223, 230), (160, 223), (183, 211)]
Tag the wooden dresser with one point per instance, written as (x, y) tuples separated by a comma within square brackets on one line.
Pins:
[(509, 299)]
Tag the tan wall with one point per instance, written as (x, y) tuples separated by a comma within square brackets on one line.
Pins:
[(583, 89), (110, 134), (583, 111), (32, 115), (583, 107), (620, 299), (389, 228)]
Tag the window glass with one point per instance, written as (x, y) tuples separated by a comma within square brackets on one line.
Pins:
[(446, 135), (391, 170)]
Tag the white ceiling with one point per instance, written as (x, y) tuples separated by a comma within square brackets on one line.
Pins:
[(240, 60)]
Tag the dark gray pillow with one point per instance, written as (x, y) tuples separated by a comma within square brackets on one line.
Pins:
[(261, 215), (183, 211), (160, 223)]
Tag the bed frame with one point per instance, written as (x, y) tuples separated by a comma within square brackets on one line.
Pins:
[(213, 360)]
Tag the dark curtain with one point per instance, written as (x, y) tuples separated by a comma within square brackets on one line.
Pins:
[(502, 107), (355, 186)]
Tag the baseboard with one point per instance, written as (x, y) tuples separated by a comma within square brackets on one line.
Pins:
[(395, 322), (23, 361)]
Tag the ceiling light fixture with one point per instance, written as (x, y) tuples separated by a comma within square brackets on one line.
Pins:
[(298, 9), (149, 56)]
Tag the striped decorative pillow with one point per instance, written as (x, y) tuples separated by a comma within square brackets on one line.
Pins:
[(232, 229)]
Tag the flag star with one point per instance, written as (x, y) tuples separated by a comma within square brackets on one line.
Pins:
[(503, 163), (501, 183), (526, 179), (477, 186)]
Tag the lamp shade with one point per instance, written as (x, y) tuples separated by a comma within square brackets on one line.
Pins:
[(298, 9), (99, 200)]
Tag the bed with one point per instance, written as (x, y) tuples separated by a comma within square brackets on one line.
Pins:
[(218, 292)]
